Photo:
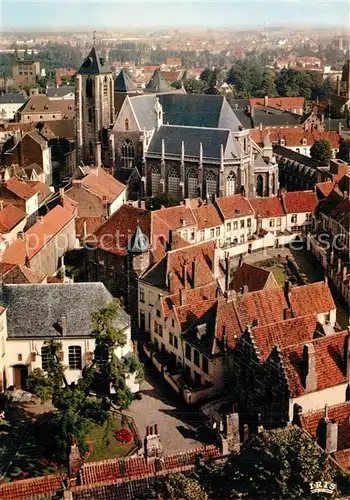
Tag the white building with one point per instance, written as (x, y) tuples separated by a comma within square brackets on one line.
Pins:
[(33, 314), (9, 104)]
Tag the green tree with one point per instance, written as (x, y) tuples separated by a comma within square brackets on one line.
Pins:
[(321, 151), (180, 487), (344, 150), (191, 85), (280, 465)]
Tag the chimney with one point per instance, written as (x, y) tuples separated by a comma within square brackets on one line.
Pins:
[(287, 289), (152, 444), (194, 273), (63, 325), (345, 273), (244, 289), (40, 219), (184, 274), (287, 313), (310, 371), (331, 444), (260, 126), (172, 236), (1, 205), (266, 100), (347, 356), (77, 183), (74, 461), (171, 282), (182, 296), (339, 266), (228, 272), (61, 192), (338, 85), (216, 262), (340, 127), (98, 154)]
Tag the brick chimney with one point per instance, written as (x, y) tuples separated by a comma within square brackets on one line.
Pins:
[(152, 445), (194, 273), (182, 296), (172, 239), (328, 433), (266, 100), (184, 274), (63, 324), (74, 461), (310, 368), (216, 262), (227, 272), (231, 442)]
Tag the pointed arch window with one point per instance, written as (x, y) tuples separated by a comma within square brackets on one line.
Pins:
[(128, 154), (90, 115), (192, 184), (91, 149), (173, 183), (243, 177), (105, 87), (230, 184), (155, 181), (89, 88), (260, 185), (211, 183)]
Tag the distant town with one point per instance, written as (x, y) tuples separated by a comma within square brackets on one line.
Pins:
[(175, 270)]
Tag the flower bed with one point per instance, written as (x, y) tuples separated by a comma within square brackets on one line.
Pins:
[(124, 435)]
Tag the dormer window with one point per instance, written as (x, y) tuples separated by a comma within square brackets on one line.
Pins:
[(46, 106), (282, 142), (304, 142)]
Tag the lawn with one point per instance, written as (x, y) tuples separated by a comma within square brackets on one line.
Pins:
[(278, 270), (103, 442)]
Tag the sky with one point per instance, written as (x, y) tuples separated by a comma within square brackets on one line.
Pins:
[(51, 14)]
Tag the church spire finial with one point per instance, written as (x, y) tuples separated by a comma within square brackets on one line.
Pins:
[(94, 38)]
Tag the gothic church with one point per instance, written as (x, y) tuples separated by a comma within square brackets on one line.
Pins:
[(181, 144)]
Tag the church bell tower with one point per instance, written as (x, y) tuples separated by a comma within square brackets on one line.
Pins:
[(94, 104)]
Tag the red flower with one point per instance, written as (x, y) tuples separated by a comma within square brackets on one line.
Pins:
[(124, 436)]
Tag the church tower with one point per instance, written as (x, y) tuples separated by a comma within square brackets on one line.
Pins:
[(94, 101)]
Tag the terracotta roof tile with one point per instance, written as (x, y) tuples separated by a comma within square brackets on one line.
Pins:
[(235, 206), (284, 334), (19, 188), (314, 297), (102, 184), (329, 362), (343, 458), (10, 216), (38, 236), (339, 413), (299, 201), (177, 217), (255, 278), (325, 187), (280, 102), (31, 488), (19, 274), (207, 216), (294, 137), (191, 296), (267, 207), (92, 224), (41, 188), (263, 307)]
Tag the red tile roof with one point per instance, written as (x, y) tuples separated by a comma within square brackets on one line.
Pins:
[(294, 137), (114, 234), (37, 236), (190, 313), (102, 184), (20, 188), (92, 224), (18, 274), (41, 188), (263, 307), (268, 207), (10, 216), (343, 458), (325, 187), (234, 206), (255, 278), (339, 413), (280, 102), (177, 217), (191, 296), (329, 362), (314, 297), (284, 334), (207, 216), (30, 488), (299, 201)]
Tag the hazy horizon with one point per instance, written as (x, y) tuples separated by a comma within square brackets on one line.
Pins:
[(46, 15)]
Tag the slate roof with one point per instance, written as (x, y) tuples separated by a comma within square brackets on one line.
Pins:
[(60, 91), (93, 65), (12, 98), (124, 82), (34, 311), (271, 119), (211, 139), (157, 83)]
